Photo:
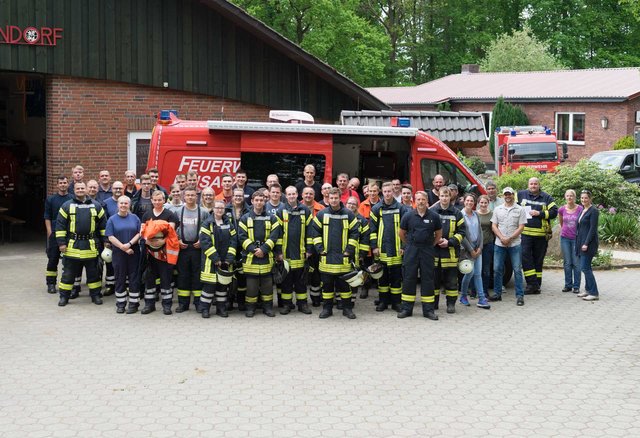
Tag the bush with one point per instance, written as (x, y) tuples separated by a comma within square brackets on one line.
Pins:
[(474, 163), (626, 142), (602, 259), (619, 228), (518, 179), (609, 189)]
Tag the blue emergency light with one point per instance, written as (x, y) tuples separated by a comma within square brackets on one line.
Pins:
[(165, 114), (404, 122), (513, 133), (547, 131)]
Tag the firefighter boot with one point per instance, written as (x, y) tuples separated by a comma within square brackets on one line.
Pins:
[(303, 307), (395, 302), (230, 299), (451, 304), (406, 310), (63, 301), (242, 306), (428, 312), (327, 309), (51, 288), (267, 308), (197, 304), (347, 308), (133, 308), (287, 305), (206, 309), (166, 307), (183, 304), (75, 293), (149, 306), (364, 292), (221, 309), (383, 302), (251, 310), (436, 301)]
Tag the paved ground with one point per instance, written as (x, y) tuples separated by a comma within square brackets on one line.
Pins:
[(556, 367)]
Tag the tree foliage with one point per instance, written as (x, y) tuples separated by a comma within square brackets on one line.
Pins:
[(505, 114), (519, 51), (626, 142), (403, 42)]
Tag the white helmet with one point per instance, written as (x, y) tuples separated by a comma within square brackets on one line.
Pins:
[(107, 255), (225, 276), (465, 266), (354, 278), (375, 270)]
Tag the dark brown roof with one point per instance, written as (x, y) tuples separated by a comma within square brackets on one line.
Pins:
[(295, 52), (593, 85)]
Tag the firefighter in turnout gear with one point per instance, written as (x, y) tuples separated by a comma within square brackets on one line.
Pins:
[(448, 249), (80, 229), (386, 247), (51, 208), (313, 260), (335, 237), (238, 289), (294, 246), (420, 229), (536, 232), (218, 241), (363, 240), (258, 234)]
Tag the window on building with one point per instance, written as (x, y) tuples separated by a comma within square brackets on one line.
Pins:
[(570, 127), (138, 152), (486, 119)]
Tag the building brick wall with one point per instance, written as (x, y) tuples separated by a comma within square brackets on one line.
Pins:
[(88, 121)]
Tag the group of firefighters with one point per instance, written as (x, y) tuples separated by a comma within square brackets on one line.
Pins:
[(232, 247)]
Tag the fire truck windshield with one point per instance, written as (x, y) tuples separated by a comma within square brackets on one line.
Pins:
[(525, 152)]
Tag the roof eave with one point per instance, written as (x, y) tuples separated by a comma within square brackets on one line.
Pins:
[(294, 52)]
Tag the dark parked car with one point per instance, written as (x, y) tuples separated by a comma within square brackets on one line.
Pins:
[(621, 161)]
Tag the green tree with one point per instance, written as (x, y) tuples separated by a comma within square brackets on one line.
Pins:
[(505, 114), (519, 51)]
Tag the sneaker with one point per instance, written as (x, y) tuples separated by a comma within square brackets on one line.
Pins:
[(464, 301), (591, 297), (484, 304), (576, 290), (582, 294), (495, 298), (520, 301), (566, 289)]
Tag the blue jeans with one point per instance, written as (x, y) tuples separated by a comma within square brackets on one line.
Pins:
[(499, 254), (571, 268), (590, 285), (487, 262), (476, 276)]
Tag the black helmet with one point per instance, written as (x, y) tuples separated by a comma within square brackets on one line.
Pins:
[(280, 271)]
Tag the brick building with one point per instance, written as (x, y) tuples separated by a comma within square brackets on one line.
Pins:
[(589, 109), (81, 82)]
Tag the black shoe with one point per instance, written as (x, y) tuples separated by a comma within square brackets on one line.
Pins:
[(576, 290), (267, 309), (133, 308), (75, 293), (96, 300), (566, 289), (221, 309), (197, 304), (327, 310), (63, 301), (396, 307), (167, 310), (346, 311), (183, 304), (304, 307), (406, 310), (251, 310), (340, 305), (495, 298), (108, 291), (205, 312), (120, 309), (148, 308), (451, 308), (316, 301), (520, 301), (381, 307), (51, 289), (364, 294), (285, 310), (430, 314)]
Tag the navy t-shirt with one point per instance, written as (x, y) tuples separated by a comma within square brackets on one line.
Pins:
[(123, 228), (110, 206), (52, 206)]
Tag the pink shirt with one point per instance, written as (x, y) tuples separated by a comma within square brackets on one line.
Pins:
[(569, 222)]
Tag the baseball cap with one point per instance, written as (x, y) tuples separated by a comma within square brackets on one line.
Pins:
[(507, 190)]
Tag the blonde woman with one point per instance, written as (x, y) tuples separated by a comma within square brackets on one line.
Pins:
[(207, 199)]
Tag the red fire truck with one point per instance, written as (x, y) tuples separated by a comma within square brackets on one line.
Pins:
[(528, 146), (213, 148)]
